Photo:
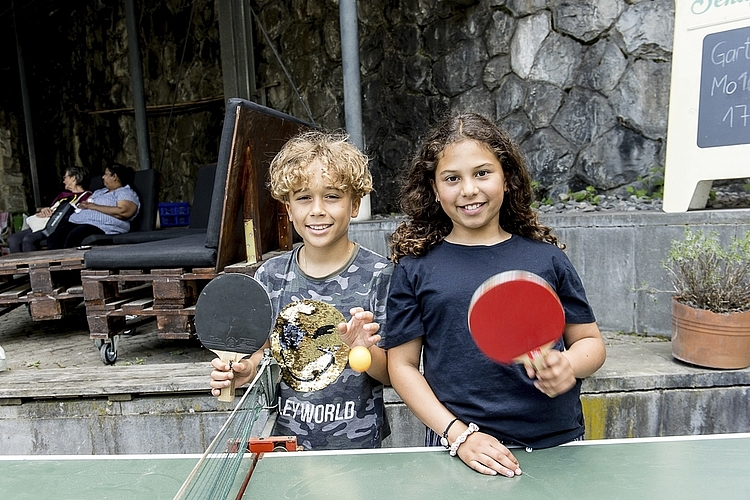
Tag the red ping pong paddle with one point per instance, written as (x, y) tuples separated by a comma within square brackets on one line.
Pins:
[(516, 317), (233, 318)]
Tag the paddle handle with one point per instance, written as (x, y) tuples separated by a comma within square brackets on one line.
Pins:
[(227, 393), (535, 357)]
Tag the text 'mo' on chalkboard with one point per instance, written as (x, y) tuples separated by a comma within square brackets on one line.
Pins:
[(724, 106)]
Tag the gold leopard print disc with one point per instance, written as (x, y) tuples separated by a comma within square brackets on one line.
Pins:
[(307, 346)]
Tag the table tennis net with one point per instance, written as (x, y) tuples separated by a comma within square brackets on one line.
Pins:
[(217, 474)]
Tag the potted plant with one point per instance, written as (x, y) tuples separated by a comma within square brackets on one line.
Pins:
[(711, 301)]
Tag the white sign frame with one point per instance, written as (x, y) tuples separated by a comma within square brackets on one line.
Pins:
[(690, 170)]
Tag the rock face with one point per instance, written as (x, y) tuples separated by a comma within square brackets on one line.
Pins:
[(582, 86)]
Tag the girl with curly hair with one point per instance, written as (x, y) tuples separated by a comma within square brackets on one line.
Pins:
[(468, 198)]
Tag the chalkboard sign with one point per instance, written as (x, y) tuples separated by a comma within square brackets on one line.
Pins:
[(724, 106)]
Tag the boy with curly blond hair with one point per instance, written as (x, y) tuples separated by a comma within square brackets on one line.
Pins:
[(321, 178)]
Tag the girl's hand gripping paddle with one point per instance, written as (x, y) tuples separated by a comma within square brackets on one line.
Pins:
[(233, 318), (516, 317)]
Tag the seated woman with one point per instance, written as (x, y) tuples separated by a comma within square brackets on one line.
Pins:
[(29, 239), (108, 211)]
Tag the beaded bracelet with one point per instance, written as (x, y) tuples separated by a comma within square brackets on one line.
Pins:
[(460, 439), (444, 437)]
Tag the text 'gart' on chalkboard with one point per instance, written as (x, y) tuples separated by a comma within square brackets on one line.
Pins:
[(724, 106)]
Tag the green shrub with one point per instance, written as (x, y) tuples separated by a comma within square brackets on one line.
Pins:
[(707, 275), (588, 195)]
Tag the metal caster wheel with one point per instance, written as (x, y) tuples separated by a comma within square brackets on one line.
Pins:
[(108, 353)]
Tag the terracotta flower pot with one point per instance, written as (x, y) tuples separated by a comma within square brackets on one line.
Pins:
[(708, 339)]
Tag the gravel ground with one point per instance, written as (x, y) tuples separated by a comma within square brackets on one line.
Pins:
[(724, 198), (619, 338)]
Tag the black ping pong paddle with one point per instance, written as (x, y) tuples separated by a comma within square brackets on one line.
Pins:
[(233, 318)]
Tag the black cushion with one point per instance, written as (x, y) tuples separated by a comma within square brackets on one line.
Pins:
[(156, 235), (146, 185), (96, 183), (202, 197), (213, 229), (183, 252)]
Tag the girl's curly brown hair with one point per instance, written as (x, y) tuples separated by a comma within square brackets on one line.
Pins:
[(428, 224)]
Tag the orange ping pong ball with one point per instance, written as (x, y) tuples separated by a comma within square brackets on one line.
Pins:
[(359, 358)]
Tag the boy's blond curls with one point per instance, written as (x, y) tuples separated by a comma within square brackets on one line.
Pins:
[(345, 166)]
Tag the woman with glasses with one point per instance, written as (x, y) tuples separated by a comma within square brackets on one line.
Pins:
[(29, 240)]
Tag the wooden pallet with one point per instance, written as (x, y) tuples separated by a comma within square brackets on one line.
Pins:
[(117, 299), (48, 281), (167, 295)]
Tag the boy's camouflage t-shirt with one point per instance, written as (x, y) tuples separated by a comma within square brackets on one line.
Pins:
[(348, 412)]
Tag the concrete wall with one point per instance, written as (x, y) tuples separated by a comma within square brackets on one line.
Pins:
[(641, 391), (618, 256), (99, 426)]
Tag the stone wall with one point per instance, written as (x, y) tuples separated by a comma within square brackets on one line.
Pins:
[(12, 196), (582, 86)]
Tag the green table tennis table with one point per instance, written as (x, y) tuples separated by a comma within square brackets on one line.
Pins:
[(688, 467)]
